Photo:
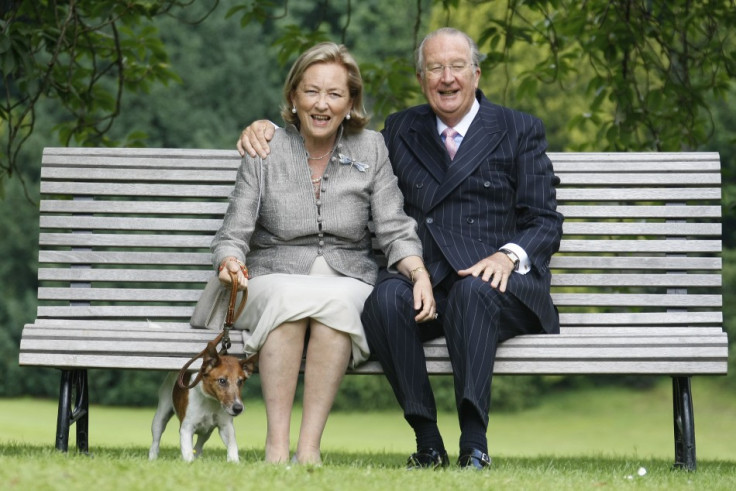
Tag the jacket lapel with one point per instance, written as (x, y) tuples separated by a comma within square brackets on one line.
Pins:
[(424, 142), (484, 135)]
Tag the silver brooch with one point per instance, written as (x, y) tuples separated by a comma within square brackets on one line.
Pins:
[(345, 160)]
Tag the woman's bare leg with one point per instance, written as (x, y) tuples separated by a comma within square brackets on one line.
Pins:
[(279, 362), (328, 354)]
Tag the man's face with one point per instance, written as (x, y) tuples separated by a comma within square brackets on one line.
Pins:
[(449, 78)]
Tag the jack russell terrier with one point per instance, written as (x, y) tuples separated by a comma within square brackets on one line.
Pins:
[(213, 402)]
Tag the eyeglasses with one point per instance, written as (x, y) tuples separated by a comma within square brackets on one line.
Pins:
[(436, 71)]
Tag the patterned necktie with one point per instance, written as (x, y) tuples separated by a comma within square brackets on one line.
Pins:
[(450, 144)]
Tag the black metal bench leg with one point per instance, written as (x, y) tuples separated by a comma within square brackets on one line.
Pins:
[(73, 382), (684, 423)]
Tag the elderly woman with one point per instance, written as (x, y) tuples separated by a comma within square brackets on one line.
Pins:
[(299, 220)]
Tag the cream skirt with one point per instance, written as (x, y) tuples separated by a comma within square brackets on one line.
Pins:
[(324, 295)]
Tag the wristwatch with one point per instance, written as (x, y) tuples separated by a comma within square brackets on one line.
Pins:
[(512, 255)]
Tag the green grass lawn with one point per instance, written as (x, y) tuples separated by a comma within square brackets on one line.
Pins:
[(603, 421), (587, 439)]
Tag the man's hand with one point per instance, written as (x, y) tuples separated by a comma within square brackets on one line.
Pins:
[(496, 268), (254, 139)]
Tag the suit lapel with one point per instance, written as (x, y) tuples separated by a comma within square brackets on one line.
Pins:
[(484, 135), (422, 139)]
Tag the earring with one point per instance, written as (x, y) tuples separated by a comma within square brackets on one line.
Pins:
[(347, 116), (293, 109)]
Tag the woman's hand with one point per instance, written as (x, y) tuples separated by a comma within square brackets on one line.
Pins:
[(413, 268), (231, 264), (424, 302)]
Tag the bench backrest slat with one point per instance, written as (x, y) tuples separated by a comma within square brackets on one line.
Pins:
[(125, 236)]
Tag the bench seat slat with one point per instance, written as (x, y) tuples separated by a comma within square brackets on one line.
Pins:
[(604, 345), (538, 367), (502, 367)]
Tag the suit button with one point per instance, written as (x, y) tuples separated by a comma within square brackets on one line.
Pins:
[(470, 220), (429, 220), (487, 184), (419, 185)]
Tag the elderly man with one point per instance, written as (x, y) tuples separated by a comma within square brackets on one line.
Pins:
[(476, 178)]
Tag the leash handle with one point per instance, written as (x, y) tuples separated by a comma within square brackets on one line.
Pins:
[(232, 315), (224, 337)]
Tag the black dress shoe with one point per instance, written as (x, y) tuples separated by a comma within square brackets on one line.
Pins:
[(428, 458), (473, 458)]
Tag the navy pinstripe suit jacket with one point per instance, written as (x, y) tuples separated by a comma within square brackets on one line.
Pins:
[(500, 188)]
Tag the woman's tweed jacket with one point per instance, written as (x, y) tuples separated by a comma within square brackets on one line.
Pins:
[(273, 225)]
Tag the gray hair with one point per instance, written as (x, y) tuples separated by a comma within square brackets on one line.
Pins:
[(475, 56)]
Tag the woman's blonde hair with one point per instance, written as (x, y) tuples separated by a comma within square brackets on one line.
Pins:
[(327, 53)]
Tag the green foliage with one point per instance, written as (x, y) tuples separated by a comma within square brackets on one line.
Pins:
[(382, 44), (83, 55), (648, 68)]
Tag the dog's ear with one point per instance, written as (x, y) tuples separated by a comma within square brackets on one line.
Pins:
[(211, 357), (249, 365)]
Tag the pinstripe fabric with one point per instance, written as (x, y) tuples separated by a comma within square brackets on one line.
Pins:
[(500, 188)]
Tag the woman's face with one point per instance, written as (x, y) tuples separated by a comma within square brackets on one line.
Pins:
[(322, 101)]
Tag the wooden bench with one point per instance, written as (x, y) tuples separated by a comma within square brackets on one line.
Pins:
[(124, 237)]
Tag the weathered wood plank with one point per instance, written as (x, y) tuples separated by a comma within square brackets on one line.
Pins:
[(201, 207), (558, 262), (211, 225), (639, 194), (166, 295), (132, 227), (201, 276), (146, 190)]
